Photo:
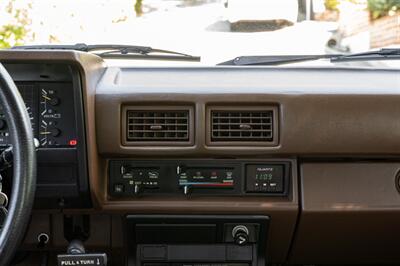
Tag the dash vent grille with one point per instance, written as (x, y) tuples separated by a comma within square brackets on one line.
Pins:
[(242, 125), (157, 125)]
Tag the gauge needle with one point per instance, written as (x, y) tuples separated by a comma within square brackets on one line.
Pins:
[(45, 133), (47, 98)]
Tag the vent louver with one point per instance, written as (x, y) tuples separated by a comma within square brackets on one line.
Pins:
[(158, 126), (242, 125)]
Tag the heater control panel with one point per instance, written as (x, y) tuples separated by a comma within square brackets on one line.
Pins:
[(198, 177)]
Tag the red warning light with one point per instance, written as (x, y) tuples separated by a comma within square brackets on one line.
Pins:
[(73, 142)]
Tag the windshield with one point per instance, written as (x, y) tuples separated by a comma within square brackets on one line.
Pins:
[(216, 30)]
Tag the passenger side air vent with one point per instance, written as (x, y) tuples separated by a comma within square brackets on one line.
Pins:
[(242, 126), (156, 126)]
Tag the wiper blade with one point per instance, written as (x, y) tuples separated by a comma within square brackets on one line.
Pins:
[(272, 60), (117, 51), (382, 54)]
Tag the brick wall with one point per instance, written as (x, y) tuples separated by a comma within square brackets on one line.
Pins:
[(354, 22), (385, 31), (327, 16), (382, 32)]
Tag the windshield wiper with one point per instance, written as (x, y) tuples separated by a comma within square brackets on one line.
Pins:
[(117, 51), (272, 60), (383, 54)]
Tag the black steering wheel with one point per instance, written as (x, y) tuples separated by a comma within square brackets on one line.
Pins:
[(24, 172)]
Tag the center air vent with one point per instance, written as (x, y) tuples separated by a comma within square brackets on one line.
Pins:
[(163, 126), (243, 126)]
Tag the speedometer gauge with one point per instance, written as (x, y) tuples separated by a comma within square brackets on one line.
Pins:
[(29, 94), (31, 117)]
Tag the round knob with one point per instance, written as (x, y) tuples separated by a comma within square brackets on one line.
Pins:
[(2, 124), (54, 101), (55, 132), (43, 238), (240, 235)]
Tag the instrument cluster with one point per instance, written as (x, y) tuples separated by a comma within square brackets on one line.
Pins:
[(50, 106)]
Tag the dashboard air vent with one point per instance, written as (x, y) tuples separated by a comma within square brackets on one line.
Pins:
[(158, 126), (243, 126)]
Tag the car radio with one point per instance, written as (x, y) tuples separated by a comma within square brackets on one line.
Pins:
[(196, 240), (198, 177)]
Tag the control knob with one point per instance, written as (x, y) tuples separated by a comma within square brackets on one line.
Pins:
[(55, 132), (54, 101), (240, 235)]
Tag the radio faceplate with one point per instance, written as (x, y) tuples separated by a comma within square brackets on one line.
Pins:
[(128, 178), (196, 240)]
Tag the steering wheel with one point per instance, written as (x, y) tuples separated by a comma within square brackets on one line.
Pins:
[(24, 172)]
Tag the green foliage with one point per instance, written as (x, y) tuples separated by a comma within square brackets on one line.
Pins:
[(332, 5), (139, 8), (381, 8), (14, 32), (11, 35)]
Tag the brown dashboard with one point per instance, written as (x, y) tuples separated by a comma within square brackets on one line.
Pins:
[(334, 131)]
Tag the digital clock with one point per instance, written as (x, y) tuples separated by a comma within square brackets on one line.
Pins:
[(265, 178)]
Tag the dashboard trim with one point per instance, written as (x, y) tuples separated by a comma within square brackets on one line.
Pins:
[(330, 133)]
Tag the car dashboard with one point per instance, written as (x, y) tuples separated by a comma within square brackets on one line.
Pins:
[(150, 163)]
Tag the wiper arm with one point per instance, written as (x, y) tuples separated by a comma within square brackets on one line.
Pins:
[(383, 54), (117, 51), (272, 60)]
